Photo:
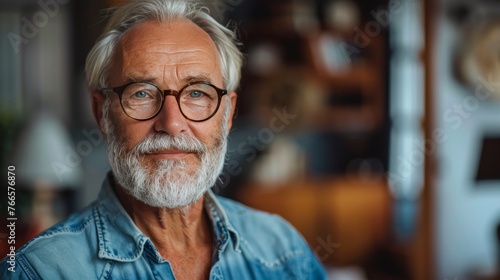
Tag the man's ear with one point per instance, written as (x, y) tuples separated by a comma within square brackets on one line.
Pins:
[(233, 98), (97, 101)]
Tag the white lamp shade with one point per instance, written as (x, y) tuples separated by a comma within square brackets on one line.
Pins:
[(42, 153)]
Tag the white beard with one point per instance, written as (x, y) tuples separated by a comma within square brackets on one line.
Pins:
[(170, 183)]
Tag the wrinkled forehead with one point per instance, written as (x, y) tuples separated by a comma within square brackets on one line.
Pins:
[(162, 52)]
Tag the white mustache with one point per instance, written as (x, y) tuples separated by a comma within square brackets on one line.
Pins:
[(159, 142)]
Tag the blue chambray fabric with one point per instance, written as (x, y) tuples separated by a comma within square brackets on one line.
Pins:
[(102, 242)]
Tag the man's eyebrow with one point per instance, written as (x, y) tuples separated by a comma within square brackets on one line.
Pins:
[(202, 77)]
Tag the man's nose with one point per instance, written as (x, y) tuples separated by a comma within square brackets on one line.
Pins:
[(170, 119)]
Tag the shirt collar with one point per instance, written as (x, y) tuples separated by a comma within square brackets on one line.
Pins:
[(222, 226), (120, 239)]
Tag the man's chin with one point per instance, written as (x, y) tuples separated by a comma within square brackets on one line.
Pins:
[(166, 188), (170, 204), (161, 162)]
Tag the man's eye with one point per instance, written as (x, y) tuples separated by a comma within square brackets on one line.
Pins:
[(141, 94), (195, 94)]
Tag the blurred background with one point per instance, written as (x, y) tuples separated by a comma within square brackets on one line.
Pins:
[(372, 126)]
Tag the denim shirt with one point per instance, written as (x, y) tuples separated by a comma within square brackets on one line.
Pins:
[(102, 242)]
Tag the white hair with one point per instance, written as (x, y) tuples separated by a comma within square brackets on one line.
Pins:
[(133, 12)]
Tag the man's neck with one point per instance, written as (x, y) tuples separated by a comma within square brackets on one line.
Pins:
[(172, 231)]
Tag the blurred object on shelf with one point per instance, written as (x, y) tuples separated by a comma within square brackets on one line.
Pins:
[(283, 161), (304, 19), (347, 273), (477, 61), (291, 91), (489, 160), (264, 59), (342, 15), (349, 65)]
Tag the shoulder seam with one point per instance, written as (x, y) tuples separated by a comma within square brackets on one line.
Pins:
[(58, 231)]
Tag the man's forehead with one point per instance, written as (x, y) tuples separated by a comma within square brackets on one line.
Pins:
[(181, 48)]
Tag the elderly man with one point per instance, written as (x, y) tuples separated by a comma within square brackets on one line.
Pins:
[(163, 79)]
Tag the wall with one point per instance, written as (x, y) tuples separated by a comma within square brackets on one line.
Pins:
[(467, 212)]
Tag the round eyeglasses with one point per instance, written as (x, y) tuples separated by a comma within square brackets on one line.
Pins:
[(198, 101)]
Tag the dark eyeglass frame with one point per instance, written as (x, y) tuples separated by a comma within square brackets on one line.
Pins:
[(176, 93)]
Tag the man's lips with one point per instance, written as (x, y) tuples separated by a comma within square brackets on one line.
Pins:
[(170, 154)]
